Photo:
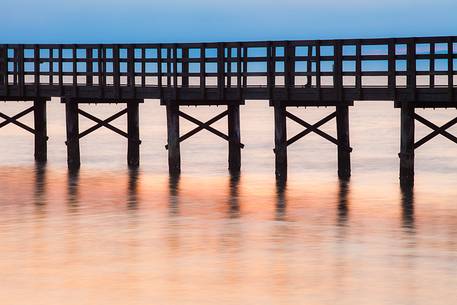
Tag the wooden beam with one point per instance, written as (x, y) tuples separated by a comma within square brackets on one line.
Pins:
[(133, 130), (41, 137), (174, 152), (206, 126), (14, 120), (103, 123), (234, 153), (3, 66), (308, 130), (342, 130), (314, 129), (72, 120), (280, 141), (436, 130), (201, 127), (407, 143)]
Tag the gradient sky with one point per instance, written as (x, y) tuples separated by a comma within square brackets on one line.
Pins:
[(73, 21)]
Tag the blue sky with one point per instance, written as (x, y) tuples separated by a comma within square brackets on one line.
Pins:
[(79, 21)]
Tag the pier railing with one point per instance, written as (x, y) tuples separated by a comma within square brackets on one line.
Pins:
[(308, 64)]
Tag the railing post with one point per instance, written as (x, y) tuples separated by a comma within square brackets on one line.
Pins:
[(3, 66), (20, 72), (131, 69), (89, 67), (450, 70), (116, 71), (72, 121), (280, 140), (221, 71), (289, 68), (338, 71), (271, 69), (133, 131), (391, 69), (36, 69), (41, 137), (185, 67)]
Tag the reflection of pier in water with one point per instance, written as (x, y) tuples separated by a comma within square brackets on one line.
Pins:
[(132, 196), (407, 204), (73, 190), (343, 202), (233, 200), (40, 184)]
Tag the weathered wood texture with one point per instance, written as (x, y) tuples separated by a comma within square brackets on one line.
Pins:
[(407, 143), (234, 150), (280, 141), (173, 146), (72, 120), (133, 132), (41, 137), (344, 152)]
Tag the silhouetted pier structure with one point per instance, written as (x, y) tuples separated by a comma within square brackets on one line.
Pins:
[(413, 72)]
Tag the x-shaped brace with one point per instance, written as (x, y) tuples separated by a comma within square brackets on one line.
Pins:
[(314, 128), (203, 125), (436, 130), (14, 119), (103, 123)]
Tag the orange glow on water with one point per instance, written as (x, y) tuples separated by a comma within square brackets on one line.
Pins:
[(108, 235)]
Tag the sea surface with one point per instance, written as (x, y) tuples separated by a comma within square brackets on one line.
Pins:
[(108, 235)]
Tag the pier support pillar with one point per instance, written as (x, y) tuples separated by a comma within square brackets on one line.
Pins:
[(407, 143), (344, 154), (280, 141), (73, 154), (133, 131), (234, 154), (174, 152), (41, 137)]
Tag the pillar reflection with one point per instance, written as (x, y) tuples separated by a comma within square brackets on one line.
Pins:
[(281, 201), (40, 184), (39, 196), (407, 205), (73, 190), (132, 196), (343, 203), (233, 200), (173, 185)]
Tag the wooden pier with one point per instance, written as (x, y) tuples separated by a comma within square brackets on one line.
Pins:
[(417, 72)]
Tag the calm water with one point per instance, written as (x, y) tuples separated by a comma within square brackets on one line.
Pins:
[(108, 235)]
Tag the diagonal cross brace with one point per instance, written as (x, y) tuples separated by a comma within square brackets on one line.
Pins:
[(103, 123), (309, 130), (436, 130), (14, 119), (203, 125), (314, 128)]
